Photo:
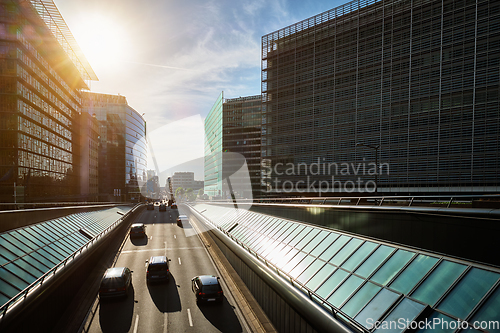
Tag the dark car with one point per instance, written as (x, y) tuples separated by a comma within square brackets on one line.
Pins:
[(182, 220), (157, 269), (163, 207), (138, 230), (174, 206), (150, 206), (207, 289), (116, 282)]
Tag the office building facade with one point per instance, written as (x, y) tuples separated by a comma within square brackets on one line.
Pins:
[(89, 157), (123, 150), (410, 85), (213, 150), (41, 73), (242, 134)]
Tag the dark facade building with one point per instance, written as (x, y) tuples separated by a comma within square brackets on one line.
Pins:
[(122, 146), (41, 73), (241, 132), (412, 85)]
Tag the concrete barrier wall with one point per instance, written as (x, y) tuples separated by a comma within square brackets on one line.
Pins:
[(13, 219)]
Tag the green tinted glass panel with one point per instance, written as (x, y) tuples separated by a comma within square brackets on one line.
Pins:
[(37, 268), (21, 273), (374, 260), (436, 284), (391, 267), (9, 256), (376, 308), (325, 243), (312, 233), (444, 324), (331, 283), (301, 266), (300, 236), (46, 262), (346, 251), (468, 292), (311, 271), (14, 280), (490, 311), (413, 273), (37, 243), (296, 231), (345, 290), (335, 247), (360, 299), (317, 240), (358, 256), (295, 260), (7, 289), (11, 240), (405, 312)]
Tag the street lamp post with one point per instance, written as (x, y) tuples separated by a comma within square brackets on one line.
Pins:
[(375, 147)]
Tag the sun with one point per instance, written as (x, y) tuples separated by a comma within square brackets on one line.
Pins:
[(104, 42)]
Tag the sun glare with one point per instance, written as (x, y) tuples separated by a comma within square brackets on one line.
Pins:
[(103, 41)]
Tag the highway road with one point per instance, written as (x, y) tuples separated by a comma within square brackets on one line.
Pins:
[(171, 306)]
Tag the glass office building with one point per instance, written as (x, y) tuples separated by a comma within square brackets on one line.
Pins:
[(412, 85), (41, 73), (241, 134), (123, 150), (213, 149)]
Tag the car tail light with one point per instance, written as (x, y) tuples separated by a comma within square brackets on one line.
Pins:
[(201, 294), (121, 289), (220, 292)]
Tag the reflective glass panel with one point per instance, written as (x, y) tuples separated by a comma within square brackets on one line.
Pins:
[(392, 266), (316, 241), (359, 256), (32, 266), (345, 290), (310, 271), (444, 324), (38, 243), (436, 284), (313, 232), (300, 236), (324, 244), (331, 283), (297, 271), (335, 247), (12, 279), (468, 292), (21, 273), (376, 308), (404, 313), (46, 262), (293, 234), (360, 299), (413, 273), (7, 240), (294, 261), (346, 251), (374, 260), (489, 311)]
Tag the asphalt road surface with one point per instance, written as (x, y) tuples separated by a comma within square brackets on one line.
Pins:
[(171, 306)]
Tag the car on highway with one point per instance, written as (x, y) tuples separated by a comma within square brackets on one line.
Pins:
[(137, 230), (163, 207), (157, 203), (157, 269), (182, 220), (115, 283), (174, 206), (207, 288), (150, 206)]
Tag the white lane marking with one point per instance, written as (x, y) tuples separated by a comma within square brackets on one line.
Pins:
[(179, 261), (150, 237), (136, 323), (189, 316), (165, 322), (169, 248), (165, 248), (175, 236)]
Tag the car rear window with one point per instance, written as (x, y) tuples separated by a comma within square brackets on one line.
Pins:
[(112, 282), (211, 288), (158, 267)]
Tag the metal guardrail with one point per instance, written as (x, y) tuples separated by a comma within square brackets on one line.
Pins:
[(39, 282), (465, 201)]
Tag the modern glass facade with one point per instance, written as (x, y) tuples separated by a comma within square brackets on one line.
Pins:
[(123, 149), (39, 102), (418, 81), (213, 149), (241, 134)]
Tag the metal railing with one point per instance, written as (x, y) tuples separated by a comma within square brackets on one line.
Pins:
[(22, 295)]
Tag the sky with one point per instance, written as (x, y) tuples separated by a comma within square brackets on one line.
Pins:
[(171, 59)]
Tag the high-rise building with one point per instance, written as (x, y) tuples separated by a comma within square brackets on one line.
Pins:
[(182, 179), (241, 124), (213, 150), (123, 150), (410, 85), (41, 73), (89, 157)]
